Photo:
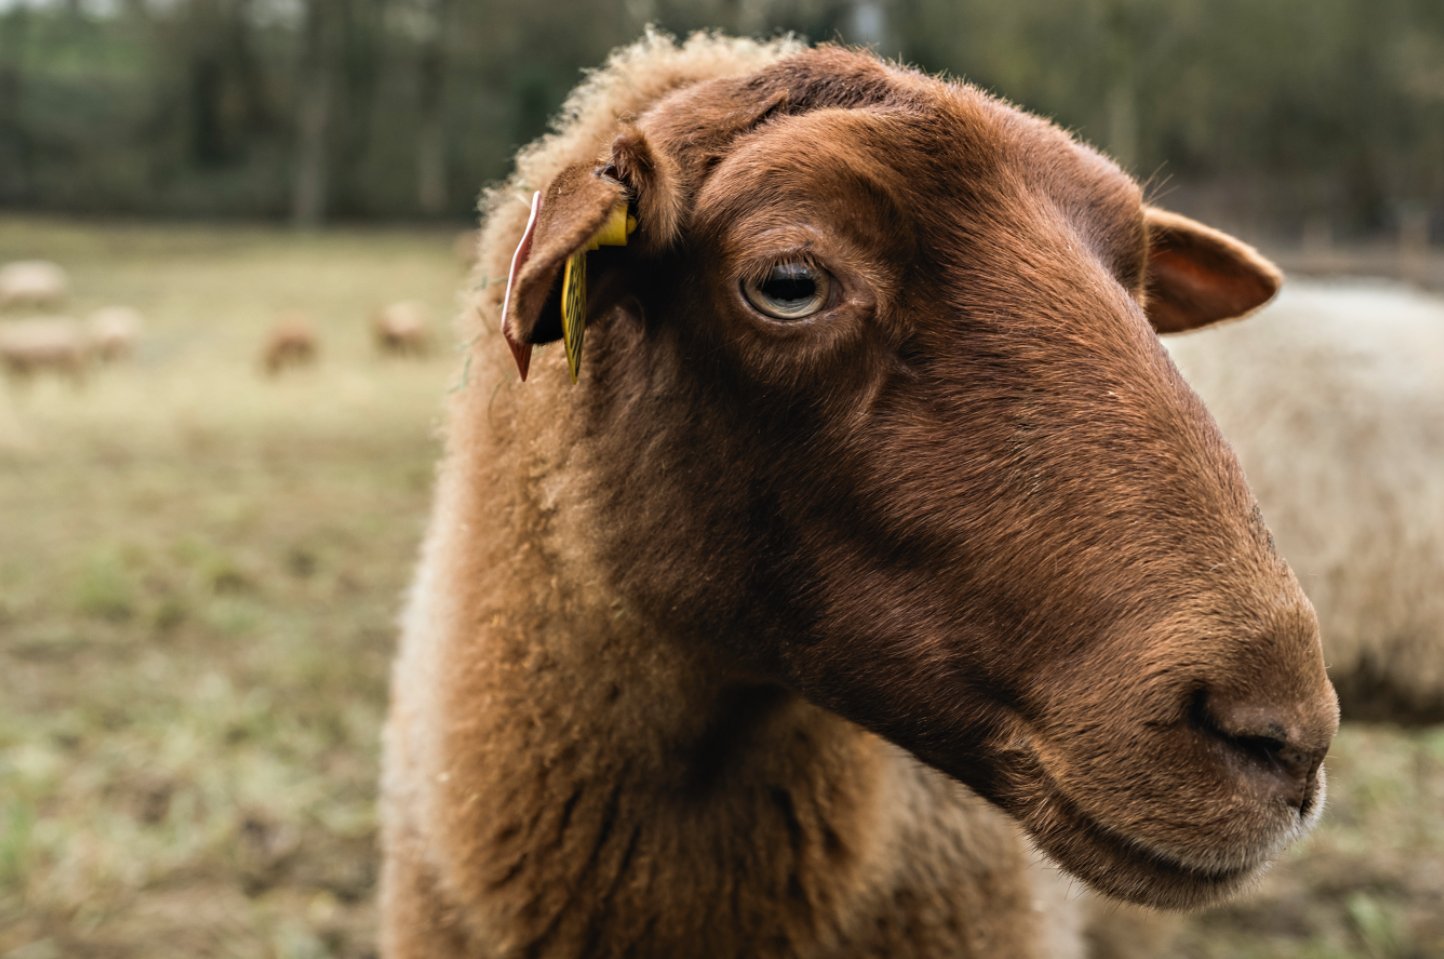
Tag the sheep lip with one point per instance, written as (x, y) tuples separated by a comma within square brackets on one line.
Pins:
[(1182, 864), (1178, 867), (1139, 869), (1134, 870)]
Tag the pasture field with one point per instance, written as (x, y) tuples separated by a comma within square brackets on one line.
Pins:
[(199, 573)]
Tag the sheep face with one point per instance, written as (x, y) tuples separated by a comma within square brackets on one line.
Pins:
[(873, 403)]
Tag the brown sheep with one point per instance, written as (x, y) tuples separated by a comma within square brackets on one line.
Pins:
[(401, 329), (38, 284), (876, 532), (55, 344), (113, 332), (291, 343)]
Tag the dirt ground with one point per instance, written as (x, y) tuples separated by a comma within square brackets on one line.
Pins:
[(199, 572)]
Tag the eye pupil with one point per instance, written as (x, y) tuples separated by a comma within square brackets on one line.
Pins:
[(791, 291)]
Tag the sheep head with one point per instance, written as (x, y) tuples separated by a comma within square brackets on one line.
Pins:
[(874, 405)]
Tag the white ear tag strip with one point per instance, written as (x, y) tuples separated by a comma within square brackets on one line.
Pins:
[(521, 351)]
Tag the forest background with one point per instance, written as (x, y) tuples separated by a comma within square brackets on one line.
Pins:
[(1282, 120)]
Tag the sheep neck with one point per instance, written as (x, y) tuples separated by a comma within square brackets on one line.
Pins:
[(605, 780)]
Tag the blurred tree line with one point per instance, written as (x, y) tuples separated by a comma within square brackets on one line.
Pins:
[(1277, 113)]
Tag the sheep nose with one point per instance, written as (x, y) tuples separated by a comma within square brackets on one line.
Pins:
[(1280, 747)]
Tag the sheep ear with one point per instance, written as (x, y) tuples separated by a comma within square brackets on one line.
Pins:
[(654, 182), (567, 219), (1198, 276)]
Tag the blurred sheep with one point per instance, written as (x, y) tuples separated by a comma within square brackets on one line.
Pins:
[(53, 345), (402, 329), (1334, 402), (114, 331), (291, 343), (37, 284)]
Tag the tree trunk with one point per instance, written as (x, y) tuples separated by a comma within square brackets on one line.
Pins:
[(308, 199), (431, 135), (1123, 123), (14, 141), (1414, 241), (868, 24)]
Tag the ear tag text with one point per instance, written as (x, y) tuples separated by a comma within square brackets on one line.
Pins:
[(574, 283)]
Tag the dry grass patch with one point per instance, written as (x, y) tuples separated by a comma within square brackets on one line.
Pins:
[(199, 575)]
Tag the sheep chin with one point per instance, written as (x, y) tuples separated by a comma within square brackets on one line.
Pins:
[(1125, 868), (1142, 870), (1222, 862)]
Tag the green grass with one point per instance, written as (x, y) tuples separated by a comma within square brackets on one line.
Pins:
[(199, 572)]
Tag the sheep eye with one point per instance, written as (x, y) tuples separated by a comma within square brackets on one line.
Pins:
[(790, 291)]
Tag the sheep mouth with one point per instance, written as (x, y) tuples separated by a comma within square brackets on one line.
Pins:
[(1142, 869), (1132, 868)]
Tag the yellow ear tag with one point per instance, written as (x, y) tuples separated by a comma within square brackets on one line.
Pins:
[(574, 283)]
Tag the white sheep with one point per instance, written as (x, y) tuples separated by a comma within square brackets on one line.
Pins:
[(1333, 399), (37, 284), (114, 331), (55, 345)]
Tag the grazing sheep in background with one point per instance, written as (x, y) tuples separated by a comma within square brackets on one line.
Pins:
[(875, 531), (401, 329), (37, 284), (114, 331), (291, 343), (1334, 402), (54, 345)]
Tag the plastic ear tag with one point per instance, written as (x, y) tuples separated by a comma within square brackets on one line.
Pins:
[(615, 231), (574, 310), (574, 283), (521, 352)]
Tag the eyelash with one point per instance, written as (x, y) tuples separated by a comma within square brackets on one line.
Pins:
[(762, 271)]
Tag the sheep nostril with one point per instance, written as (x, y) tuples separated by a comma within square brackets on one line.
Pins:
[(1296, 766), (1274, 749)]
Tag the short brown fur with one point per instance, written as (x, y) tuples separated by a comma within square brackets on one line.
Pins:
[(759, 639)]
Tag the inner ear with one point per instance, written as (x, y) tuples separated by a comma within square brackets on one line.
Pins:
[(1198, 275), (654, 186)]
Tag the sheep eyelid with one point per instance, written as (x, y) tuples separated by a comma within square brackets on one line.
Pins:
[(762, 269)]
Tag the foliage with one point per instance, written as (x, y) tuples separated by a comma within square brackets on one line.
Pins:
[(348, 108), (1332, 107)]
